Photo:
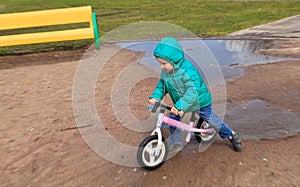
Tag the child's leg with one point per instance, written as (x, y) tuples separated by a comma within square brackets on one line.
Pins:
[(207, 114), (175, 133)]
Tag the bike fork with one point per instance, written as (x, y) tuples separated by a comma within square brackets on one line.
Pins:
[(157, 132)]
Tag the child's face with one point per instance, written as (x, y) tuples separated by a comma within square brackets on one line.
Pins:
[(165, 65)]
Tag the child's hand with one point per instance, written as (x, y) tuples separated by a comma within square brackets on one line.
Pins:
[(177, 112), (181, 113), (152, 101)]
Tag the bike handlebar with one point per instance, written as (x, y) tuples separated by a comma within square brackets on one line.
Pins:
[(158, 104)]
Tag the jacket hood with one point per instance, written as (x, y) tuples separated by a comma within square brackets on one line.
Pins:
[(170, 50)]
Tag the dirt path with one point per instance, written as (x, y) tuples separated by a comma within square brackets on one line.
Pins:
[(284, 28), (40, 144)]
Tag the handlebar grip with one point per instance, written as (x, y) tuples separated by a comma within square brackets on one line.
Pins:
[(156, 105), (168, 107)]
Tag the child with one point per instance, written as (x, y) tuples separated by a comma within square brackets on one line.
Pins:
[(181, 80)]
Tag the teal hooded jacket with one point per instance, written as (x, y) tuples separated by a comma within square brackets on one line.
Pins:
[(185, 85)]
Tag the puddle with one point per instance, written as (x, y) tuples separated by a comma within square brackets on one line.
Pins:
[(258, 120), (226, 53), (255, 119)]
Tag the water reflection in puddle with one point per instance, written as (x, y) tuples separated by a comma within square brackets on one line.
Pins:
[(258, 120)]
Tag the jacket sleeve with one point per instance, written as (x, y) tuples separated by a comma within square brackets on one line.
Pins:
[(190, 96), (160, 91)]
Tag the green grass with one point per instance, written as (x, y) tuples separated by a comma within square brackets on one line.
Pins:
[(203, 17)]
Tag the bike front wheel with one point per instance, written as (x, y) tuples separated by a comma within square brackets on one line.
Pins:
[(150, 155)]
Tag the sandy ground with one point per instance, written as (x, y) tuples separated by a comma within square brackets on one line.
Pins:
[(41, 145)]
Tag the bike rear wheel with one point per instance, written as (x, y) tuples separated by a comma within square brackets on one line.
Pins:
[(201, 124), (146, 154)]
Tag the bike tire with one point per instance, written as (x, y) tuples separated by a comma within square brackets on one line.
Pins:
[(201, 125), (147, 149)]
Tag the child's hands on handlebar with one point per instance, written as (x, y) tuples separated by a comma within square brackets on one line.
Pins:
[(174, 110), (177, 112), (152, 101)]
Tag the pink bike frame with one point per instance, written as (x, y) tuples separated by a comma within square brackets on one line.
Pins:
[(162, 118)]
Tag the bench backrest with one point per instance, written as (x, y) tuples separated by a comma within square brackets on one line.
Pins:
[(48, 18)]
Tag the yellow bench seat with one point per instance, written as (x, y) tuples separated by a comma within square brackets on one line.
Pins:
[(44, 37), (49, 18)]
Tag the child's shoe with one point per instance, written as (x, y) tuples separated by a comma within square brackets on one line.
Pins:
[(236, 142)]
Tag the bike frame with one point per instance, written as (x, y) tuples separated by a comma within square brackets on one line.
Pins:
[(189, 128)]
